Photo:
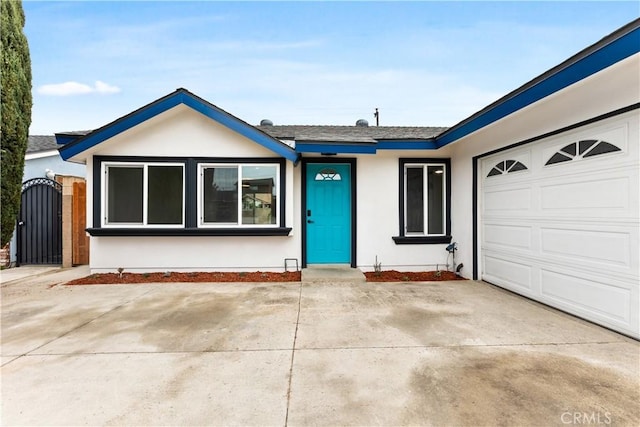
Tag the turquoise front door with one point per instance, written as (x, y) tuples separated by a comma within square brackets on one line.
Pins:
[(328, 213)]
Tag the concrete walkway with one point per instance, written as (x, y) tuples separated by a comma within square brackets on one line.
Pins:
[(332, 274), (17, 273), (446, 353), (34, 274)]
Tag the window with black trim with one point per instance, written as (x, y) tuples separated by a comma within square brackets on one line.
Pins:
[(143, 194), (185, 196), (238, 195), (425, 199)]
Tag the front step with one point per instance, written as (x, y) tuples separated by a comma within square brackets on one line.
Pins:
[(332, 273)]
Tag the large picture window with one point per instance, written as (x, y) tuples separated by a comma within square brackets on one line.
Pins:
[(239, 195), (424, 201), (144, 194), (188, 196)]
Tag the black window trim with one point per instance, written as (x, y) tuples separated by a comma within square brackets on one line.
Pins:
[(190, 228), (145, 167), (402, 238)]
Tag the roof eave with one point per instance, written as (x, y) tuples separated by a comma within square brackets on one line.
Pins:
[(407, 144), (31, 155), (75, 147), (613, 48)]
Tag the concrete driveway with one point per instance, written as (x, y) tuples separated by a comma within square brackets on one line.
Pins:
[(447, 353)]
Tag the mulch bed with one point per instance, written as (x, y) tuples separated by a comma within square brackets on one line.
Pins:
[(258, 276), (404, 276), (173, 277)]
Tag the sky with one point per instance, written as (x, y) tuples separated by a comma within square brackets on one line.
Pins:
[(331, 63)]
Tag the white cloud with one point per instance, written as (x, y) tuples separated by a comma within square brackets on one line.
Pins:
[(105, 88), (75, 88)]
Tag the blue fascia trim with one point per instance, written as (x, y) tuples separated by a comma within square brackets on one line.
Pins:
[(242, 128), (616, 51), (119, 126), (407, 144), (302, 147), (162, 105), (65, 139)]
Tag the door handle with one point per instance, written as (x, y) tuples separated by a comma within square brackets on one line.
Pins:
[(309, 221)]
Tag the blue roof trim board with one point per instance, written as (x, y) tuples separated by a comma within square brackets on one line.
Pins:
[(239, 126), (180, 96), (62, 139), (305, 147), (610, 50), (403, 144), (362, 148)]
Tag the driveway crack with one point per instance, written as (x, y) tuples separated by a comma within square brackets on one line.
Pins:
[(293, 352)]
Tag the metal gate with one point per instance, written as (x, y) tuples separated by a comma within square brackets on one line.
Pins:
[(40, 223)]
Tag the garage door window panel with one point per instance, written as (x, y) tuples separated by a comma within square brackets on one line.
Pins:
[(507, 166), (582, 149)]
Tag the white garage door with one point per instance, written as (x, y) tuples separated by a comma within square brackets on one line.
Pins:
[(560, 221)]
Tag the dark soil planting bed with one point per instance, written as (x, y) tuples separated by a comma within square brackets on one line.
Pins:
[(404, 276), (258, 276), (172, 277)]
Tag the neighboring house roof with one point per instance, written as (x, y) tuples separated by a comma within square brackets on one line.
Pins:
[(40, 146), (38, 143), (180, 96)]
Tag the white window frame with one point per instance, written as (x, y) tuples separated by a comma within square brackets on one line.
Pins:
[(145, 195), (425, 198), (239, 166)]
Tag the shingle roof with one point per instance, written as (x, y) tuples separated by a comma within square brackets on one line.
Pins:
[(337, 134), (37, 143), (353, 134)]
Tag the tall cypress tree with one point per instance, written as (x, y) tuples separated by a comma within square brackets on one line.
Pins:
[(15, 118)]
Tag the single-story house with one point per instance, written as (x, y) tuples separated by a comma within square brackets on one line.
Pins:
[(539, 190)]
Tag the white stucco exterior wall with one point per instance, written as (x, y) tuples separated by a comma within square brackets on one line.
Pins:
[(182, 132), (378, 215)]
